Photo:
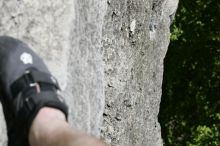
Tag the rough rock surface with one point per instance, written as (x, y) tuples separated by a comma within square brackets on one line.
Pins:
[(105, 53), (135, 40)]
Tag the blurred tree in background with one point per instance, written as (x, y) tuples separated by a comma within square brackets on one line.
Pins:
[(190, 106)]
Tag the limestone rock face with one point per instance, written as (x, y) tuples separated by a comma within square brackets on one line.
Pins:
[(108, 57)]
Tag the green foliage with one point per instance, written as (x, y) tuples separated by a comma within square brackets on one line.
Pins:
[(190, 106), (176, 33), (205, 136)]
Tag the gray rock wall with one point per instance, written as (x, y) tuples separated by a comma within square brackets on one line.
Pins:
[(135, 40), (108, 57)]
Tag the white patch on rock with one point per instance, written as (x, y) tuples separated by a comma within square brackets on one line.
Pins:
[(133, 26), (152, 35)]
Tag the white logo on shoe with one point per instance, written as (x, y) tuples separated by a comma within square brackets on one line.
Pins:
[(26, 58)]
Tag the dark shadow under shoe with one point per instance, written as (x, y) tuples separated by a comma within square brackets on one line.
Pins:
[(26, 85)]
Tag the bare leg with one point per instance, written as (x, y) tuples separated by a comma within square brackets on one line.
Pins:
[(49, 128)]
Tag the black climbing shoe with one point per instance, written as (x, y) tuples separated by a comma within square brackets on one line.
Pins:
[(26, 85)]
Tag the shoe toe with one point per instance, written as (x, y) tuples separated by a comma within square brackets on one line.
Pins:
[(15, 58)]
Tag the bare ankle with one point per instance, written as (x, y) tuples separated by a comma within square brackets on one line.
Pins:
[(51, 129), (47, 120)]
